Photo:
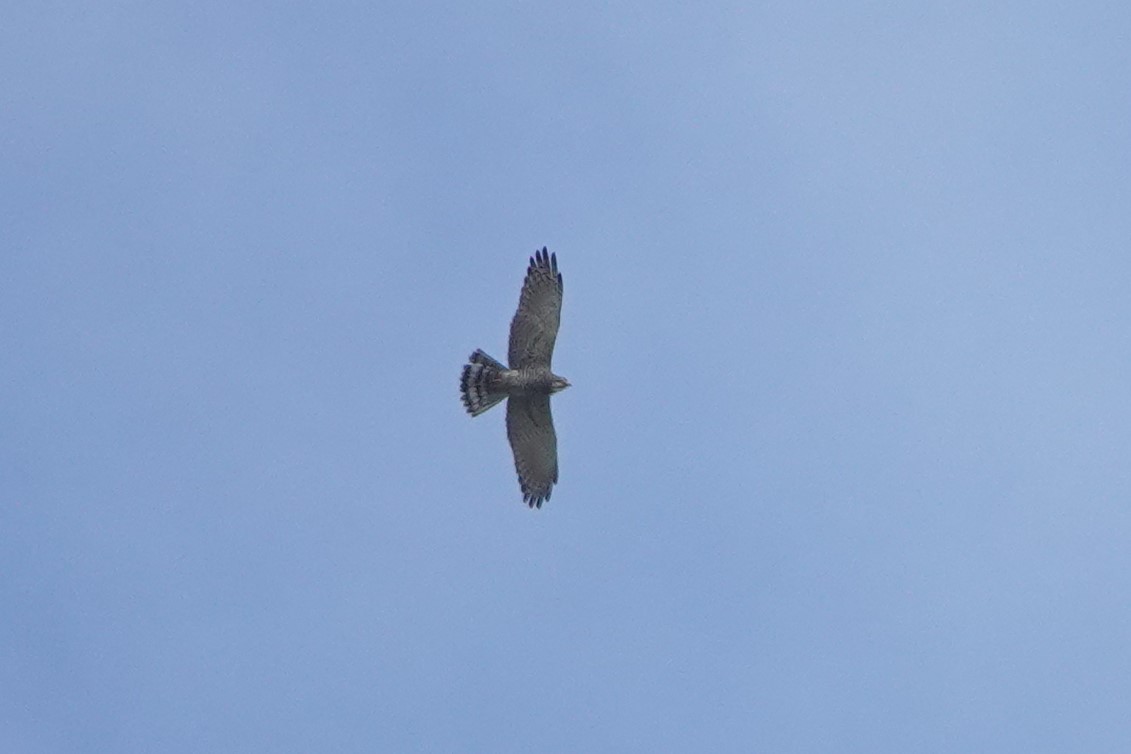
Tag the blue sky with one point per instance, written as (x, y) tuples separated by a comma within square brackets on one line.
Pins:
[(844, 463)]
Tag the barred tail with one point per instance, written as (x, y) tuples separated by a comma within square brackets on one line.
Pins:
[(479, 383)]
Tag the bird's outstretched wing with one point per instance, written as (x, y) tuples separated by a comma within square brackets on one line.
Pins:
[(535, 325), (530, 429)]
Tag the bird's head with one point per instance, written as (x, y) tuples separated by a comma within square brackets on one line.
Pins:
[(557, 384)]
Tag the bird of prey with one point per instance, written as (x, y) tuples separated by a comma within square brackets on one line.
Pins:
[(527, 383)]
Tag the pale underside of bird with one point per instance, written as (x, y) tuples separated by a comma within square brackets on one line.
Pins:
[(527, 382)]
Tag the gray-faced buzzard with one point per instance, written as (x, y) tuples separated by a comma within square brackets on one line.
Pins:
[(528, 383)]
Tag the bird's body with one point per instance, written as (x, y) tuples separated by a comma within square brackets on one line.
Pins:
[(528, 382)]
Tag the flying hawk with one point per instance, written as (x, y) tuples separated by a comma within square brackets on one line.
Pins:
[(528, 383)]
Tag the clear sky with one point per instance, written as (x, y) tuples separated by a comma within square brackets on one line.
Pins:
[(844, 466)]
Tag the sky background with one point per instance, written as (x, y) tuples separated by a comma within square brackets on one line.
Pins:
[(844, 466)]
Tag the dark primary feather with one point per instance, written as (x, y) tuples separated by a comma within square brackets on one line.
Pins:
[(535, 325), (530, 429)]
